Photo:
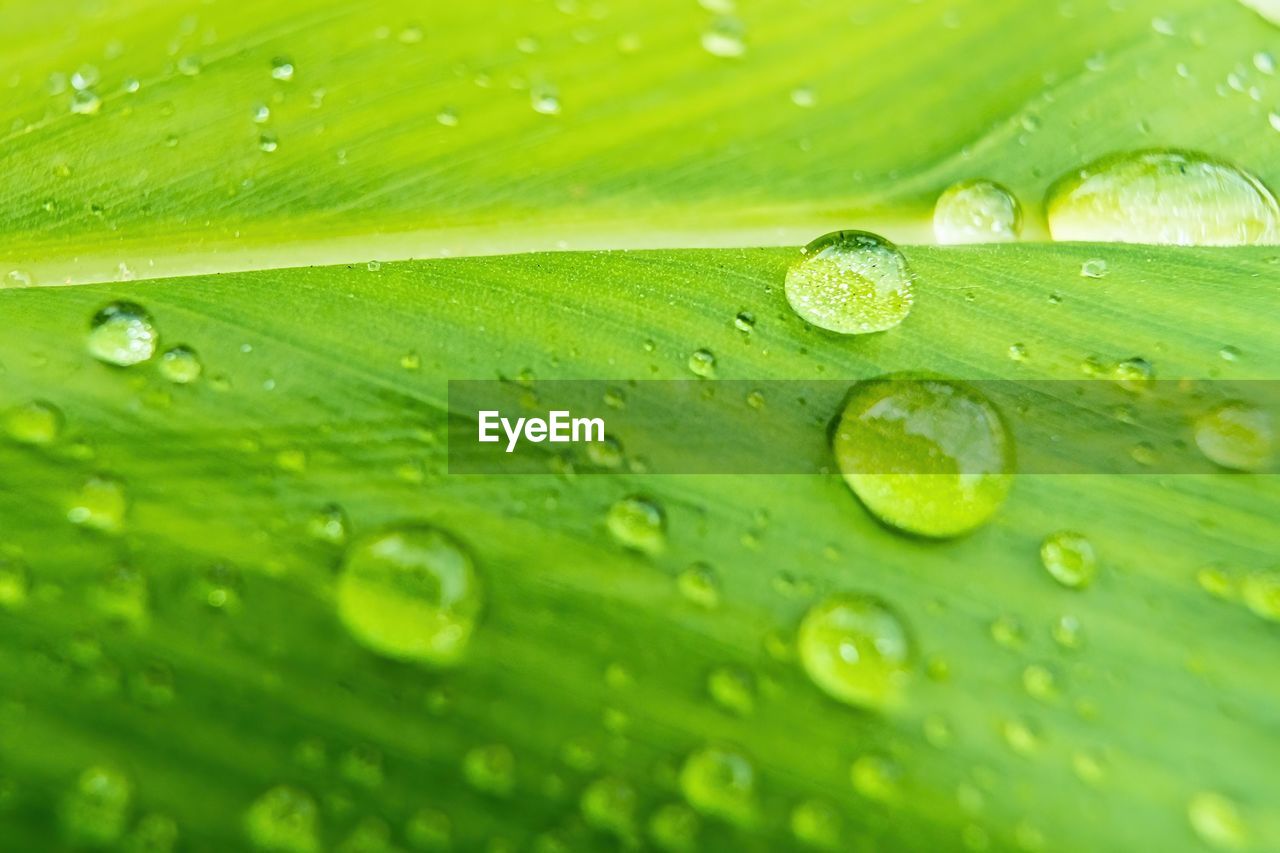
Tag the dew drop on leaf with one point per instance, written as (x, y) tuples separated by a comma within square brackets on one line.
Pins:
[(1165, 197), (1237, 436), (122, 334), (976, 212), (638, 523), (284, 819), (410, 593), (928, 457), (856, 650), (1069, 558), (851, 282), (720, 782)]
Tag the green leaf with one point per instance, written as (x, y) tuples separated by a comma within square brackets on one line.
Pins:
[(214, 668)]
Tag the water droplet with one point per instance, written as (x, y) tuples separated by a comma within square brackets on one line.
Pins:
[(1237, 436), (875, 777), (638, 523), (329, 525), (1069, 559), (1020, 736), (720, 782), (817, 824), (123, 597), (37, 423), (100, 504), (190, 66), (1017, 352), (1007, 632), (1260, 592), (1094, 268), (609, 804), (928, 457), (745, 321), (96, 810), (1088, 767), (15, 583), (733, 689), (699, 585), (1217, 821), (268, 142), (428, 829), (85, 103), (122, 334), (1268, 9), (261, 113), (803, 97), (85, 77), (410, 593), (181, 365), (674, 828), (851, 282), (725, 38), (1168, 197), (703, 363), (283, 820), (1067, 632), (282, 68), (545, 101), (1133, 374), (1040, 682), (490, 769), (976, 212), (856, 650)]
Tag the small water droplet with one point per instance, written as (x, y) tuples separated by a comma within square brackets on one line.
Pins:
[(702, 363), (1237, 436), (36, 423), (1094, 268), (85, 103), (545, 101), (816, 823), (725, 38), (96, 810), (977, 212), (411, 593), (733, 689), (122, 333), (282, 68), (720, 782), (699, 585), (100, 504), (1007, 631), (674, 828), (856, 650), (190, 66), (284, 820), (1217, 821), (1134, 374), (1040, 682), (638, 523), (928, 457), (85, 77), (1067, 632), (1260, 592), (875, 777), (609, 804), (15, 583), (1069, 559), (181, 365), (851, 282), (268, 142), (491, 769), (1167, 197), (745, 321)]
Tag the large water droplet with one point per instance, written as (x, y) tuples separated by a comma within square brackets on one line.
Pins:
[(856, 650), (638, 523), (100, 504), (1069, 559), (926, 456), (410, 593), (976, 212), (851, 282), (122, 334), (720, 782), (1269, 9), (1217, 821), (96, 810), (816, 824), (37, 423), (1236, 436), (283, 820), (1172, 197)]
